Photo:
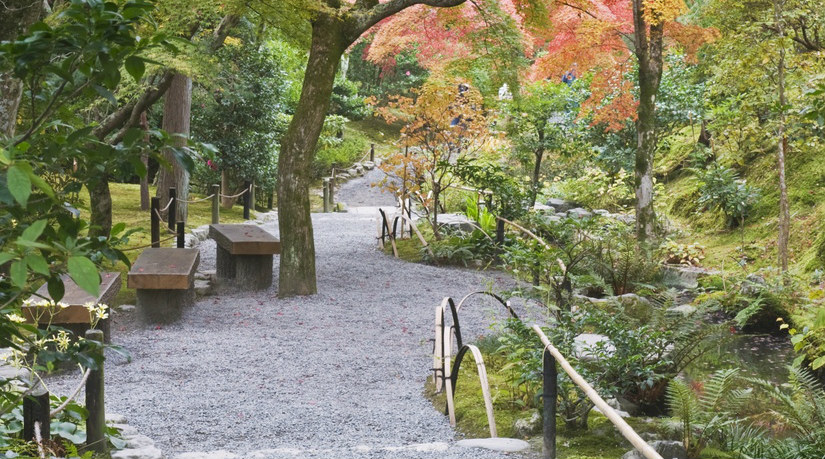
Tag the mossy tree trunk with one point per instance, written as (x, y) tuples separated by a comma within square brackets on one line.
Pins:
[(648, 46), (15, 18), (177, 108)]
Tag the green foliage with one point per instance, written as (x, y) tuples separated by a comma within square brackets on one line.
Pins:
[(338, 147), (241, 113), (598, 189), (705, 416), (721, 189), (510, 198), (676, 253), (346, 101)]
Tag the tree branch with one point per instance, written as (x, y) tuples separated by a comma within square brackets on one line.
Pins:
[(364, 19)]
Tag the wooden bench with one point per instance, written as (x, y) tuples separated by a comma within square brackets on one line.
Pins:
[(245, 254), (164, 279), (75, 317)]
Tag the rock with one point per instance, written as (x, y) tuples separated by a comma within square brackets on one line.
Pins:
[(666, 449), (352, 172), (683, 309), (203, 287), (201, 232), (636, 306), (149, 452), (126, 308), (543, 209), (684, 277), (190, 241), (526, 427), (560, 204), (114, 418), (360, 170), (138, 441), (578, 212), (341, 207), (509, 445), (369, 165), (586, 344), (622, 414), (753, 284), (341, 176), (593, 301), (206, 274), (627, 219), (456, 222), (207, 455), (125, 429), (602, 212), (551, 219)]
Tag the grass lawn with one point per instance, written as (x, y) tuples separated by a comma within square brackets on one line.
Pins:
[(126, 209)]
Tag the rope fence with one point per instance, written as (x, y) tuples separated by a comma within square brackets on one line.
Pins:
[(198, 200), (68, 400)]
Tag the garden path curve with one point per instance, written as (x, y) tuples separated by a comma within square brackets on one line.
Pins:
[(338, 374)]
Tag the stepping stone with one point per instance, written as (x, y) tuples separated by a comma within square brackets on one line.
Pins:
[(509, 445)]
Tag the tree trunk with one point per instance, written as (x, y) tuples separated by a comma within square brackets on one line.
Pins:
[(176, 112), (15, 18), (226, 203), (144, 158), (297, 269), (536, 172), (782, 149), (100, 200), (648, 49)]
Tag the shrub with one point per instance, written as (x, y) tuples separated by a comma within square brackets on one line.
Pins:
[(598, 189), (675, 253), (721, 189)]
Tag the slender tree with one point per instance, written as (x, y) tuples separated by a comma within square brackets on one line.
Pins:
[(15, 18)]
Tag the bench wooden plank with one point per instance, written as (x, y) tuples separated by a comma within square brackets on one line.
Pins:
[(76, 298), (164, 268), (239, 239)]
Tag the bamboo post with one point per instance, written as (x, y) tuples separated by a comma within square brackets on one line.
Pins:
[(36, 410), (332, 190), (550, 391), (171, 217), (181, 232), (247, 199), (96, 422), (372, 152), (326, 195), (155, 221), (216, 204)]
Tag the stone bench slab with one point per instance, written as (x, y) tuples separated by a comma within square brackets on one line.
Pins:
[(164, 268), (244, 239)]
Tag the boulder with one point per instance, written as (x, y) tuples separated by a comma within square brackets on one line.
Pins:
[(666, 449), (602, 212), (352, 172), (684, 277), (138, 441), (578, 212), (622, 414), (456, 223), (203, 287), (560, 204), (369, 165), (190, 241), (360, 170), (584, 345), (526, 427), (683, 309), (509, 445), (636, 306), (201, 232), (551, 219), (543, 209)]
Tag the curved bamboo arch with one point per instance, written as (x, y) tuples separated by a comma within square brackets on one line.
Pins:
[(452, 381)]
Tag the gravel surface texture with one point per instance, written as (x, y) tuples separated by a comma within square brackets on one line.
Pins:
[(338, 374)]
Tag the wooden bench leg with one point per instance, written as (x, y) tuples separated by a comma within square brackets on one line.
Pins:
[(225, 268), (163, 306), (253, 271)]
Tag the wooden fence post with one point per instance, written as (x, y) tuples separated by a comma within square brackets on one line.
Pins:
[(36, 410), (550, 391), (247, 199), (181, 230), (216, 204), (326, 195), (172, 216), (372, 152), (96, 422), (155, 220), (332, 190)]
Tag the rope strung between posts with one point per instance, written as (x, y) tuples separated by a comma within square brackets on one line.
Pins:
[(63, 406), (198, 200), (165, 223), (147, 246), (237, 195), (167, 205)]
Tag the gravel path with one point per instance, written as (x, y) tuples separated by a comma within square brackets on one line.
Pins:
[(337, 374)]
